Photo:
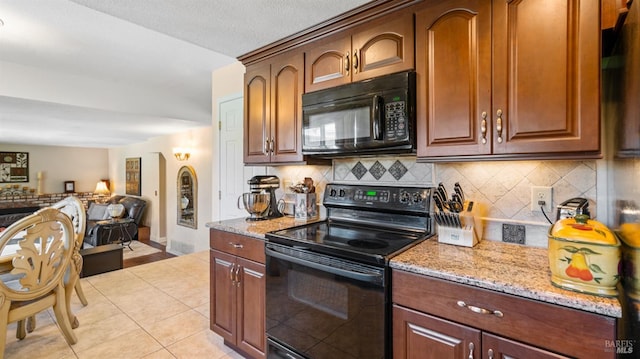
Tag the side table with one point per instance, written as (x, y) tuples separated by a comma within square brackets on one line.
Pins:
[(118, 228)]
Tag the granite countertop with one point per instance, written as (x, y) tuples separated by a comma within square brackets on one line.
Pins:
[(501, 267), (257, 229)]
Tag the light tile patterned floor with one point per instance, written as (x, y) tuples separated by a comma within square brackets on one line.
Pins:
[(155, 310)]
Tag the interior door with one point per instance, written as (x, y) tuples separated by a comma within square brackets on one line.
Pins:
[(232, 176)]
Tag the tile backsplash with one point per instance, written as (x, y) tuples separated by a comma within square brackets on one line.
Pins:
[(502, 188)]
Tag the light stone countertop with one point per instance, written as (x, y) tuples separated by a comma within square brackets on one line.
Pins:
[(502, 267), (257, 229)]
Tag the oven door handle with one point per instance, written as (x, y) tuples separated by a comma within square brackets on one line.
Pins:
[(364, 277)]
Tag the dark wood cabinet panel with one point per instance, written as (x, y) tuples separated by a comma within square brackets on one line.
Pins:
[(508, 79), (328, 63), (287, 87), (379, 47), (251, 308), (223, 303), (421, 336), (238, 292), (453, 61), (273, 109), (541, 325), (546, 76), (498, 347), (257, 102), (383, 46)]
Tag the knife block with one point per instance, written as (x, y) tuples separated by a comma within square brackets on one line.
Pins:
[(471, 232)]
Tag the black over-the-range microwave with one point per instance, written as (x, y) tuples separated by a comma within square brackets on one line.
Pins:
[(375, 116)]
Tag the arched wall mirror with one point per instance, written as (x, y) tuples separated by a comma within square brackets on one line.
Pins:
[(187, 197)]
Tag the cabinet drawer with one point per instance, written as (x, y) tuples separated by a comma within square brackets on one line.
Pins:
[(238, 245), (560, 329)]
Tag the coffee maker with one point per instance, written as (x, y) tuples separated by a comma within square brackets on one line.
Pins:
[(267, 185)]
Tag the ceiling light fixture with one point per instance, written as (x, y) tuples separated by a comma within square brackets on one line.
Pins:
[(182, 154)]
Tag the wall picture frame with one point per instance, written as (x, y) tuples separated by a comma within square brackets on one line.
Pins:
[(14, 167), (133, 167), (69, 186)]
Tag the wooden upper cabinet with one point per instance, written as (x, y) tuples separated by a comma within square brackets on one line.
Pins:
[(287, 87), (273, 109), (508, 78), (453, 61), (376, 48), (546, 76), (257, 102)]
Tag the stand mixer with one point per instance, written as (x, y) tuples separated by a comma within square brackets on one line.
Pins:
[(261, 201)]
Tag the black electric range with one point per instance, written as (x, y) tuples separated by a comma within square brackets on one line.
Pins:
[(328, 281)]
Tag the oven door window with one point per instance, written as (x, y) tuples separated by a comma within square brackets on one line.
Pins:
[(324, 315)]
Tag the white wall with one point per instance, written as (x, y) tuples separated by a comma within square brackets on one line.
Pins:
[(85, 166), (179, 239)]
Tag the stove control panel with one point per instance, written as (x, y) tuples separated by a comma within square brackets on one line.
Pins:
[(413, 199)]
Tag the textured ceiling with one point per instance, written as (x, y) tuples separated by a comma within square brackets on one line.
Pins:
[(104, 73)]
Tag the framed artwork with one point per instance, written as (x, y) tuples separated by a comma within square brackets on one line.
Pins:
[(69, 186), (132, 174), (14, 167)]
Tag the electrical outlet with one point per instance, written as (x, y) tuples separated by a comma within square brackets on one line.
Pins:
[(541, 194)]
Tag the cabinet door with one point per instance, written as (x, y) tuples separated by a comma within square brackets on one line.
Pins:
[(328, 63), (257, 99), (453, 64), (287, 86), (383, 47), (223, 295), (420, 336), (499, 347), (251, 305), (546, 76)]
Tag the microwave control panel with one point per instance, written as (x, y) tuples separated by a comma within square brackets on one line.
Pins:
[(395, 119)]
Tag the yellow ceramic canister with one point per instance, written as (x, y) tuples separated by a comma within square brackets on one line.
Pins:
[(584, 256), (630, 235)]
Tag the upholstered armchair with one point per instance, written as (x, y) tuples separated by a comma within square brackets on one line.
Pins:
[(98, 232)]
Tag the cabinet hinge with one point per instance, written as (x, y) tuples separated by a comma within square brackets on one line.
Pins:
[(219, 125), (219, 194)]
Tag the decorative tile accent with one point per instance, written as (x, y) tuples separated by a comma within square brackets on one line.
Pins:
[(359, 170), (377, 170), (397, 170)]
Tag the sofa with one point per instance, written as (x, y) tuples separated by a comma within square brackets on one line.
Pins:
[(98, 231)]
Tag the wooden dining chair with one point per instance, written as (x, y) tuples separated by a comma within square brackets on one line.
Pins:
[(72, 207), (38, 250)]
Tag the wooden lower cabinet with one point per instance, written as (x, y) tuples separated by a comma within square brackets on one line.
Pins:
[(419, 335), (434, 318), (238, 296)]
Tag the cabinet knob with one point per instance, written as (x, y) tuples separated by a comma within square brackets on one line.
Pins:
[(266, 146), (272, 145), (499, 125), (347, 64), (236, 245), (233, 281), (355, 61), (471, 347), (483, 127), (490, 353)]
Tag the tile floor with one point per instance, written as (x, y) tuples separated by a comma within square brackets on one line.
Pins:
[(154, 310)]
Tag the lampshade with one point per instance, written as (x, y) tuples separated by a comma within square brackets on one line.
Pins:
[(101, 189)]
